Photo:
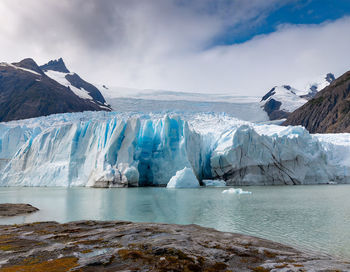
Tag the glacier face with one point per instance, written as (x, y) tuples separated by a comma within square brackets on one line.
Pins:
[(102, 149)]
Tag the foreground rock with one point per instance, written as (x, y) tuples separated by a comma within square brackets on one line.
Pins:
[(8, 209), (125, 246)]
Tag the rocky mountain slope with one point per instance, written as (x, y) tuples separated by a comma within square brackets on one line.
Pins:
[(328, 111), (27, 90), (280, 101)]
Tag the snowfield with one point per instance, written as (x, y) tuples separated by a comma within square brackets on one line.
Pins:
[(110, 149)]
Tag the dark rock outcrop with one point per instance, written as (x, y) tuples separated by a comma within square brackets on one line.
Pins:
[(272, 108), (29, 64), (55, 65), (328, 111), (26, 92), (9, 209), (126, 246)]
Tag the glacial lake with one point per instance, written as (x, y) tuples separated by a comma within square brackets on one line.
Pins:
[(308, 217)]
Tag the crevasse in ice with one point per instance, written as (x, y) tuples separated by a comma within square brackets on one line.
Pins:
[(117, 150)]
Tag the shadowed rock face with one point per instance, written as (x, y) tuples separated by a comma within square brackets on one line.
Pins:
[(78, 82), (55, 65), (272, 109), (126, 246), (26, 92), (29, 64), (328, 111)]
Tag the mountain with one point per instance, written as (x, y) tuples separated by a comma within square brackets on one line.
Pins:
[(318, 85), (28, 90), (280, 101), (328, 111)]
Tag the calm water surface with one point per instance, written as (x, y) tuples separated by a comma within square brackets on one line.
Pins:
[(308, 217)]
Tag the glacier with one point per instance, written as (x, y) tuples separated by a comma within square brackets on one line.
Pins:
[(113, 149)]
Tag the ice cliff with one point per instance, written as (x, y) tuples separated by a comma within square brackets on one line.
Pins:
[(117, 150)]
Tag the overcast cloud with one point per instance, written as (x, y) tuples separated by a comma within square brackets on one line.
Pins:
[(170, 44)]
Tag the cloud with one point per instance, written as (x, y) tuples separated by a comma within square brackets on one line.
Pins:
[(171, 44)]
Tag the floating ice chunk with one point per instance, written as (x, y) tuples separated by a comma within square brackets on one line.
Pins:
[(184, 178), (332, 183), (214, 183), (237, 191)]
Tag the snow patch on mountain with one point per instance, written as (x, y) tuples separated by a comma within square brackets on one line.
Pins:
[(61, 79), (19, 68)]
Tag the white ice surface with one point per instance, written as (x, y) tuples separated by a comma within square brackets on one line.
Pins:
[(119, 149), (166, 95), (136, 100)]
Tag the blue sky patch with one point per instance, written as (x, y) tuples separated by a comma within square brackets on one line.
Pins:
[(294, 12)]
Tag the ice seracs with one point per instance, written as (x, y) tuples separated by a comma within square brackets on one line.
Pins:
[(109, 149)]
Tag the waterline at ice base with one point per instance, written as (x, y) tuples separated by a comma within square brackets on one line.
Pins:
[(100, 149)]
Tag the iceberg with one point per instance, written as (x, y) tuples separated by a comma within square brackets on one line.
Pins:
[(111, 149), (237, 191), (184, 178)]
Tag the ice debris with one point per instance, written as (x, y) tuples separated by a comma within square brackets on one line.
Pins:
[(237, 191), (214, 183)]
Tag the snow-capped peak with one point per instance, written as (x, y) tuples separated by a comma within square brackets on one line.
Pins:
[(282, 100), (317, 85), (287, 96), (57, 70)]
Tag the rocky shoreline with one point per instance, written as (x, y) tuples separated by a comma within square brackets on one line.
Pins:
[(9, 209), (127, 246)]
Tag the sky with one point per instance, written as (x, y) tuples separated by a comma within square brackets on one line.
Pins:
[(238, 47)]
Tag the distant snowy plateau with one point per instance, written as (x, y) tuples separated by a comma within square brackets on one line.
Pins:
[(110, 149)]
